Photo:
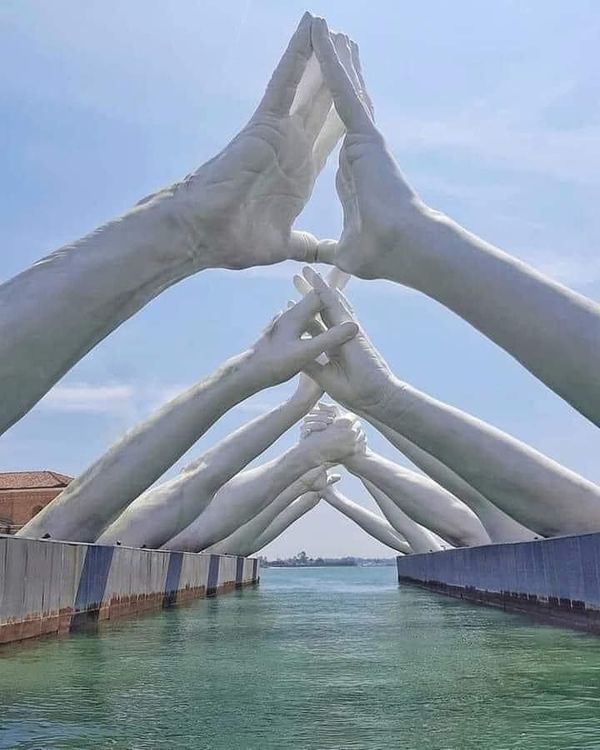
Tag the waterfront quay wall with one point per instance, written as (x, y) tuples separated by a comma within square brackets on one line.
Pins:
[(58, 587), (556, 580)]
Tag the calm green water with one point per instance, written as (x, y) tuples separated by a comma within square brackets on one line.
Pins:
[(313, 659)]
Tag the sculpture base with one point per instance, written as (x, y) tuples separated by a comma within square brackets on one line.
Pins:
[(556, 581), (49, 587)]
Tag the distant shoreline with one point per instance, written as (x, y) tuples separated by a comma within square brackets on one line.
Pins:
[(353, 563)]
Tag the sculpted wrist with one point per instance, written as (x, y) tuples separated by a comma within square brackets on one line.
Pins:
[(357, 461), (181, 213)]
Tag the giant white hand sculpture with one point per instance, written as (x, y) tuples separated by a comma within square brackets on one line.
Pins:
[(235, 211), (250, 492), (422, 499), (243, 540), (531, 488), (286, 518), (370, 522), (420, 539), (389, 233), (181, 515), (111, 484)]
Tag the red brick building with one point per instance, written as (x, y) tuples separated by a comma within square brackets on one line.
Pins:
[(24, 493)]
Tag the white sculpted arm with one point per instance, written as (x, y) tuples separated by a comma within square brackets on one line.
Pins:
[(422, 499), (235, 211), (499, 526), (419, 538), (531, 488), (252, 490), (389, 233), (172, 512), (135, 462), (285, 519), (370, 522), (243, 540)]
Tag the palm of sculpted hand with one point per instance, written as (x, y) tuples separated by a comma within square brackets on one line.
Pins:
[(342, 438), (252, 192), (281, 352), (317, 480), (356, 374), (377, 201)]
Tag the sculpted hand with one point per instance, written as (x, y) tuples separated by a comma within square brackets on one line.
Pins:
[(241, 205), (343, 437), (380, 209), (317, 480), (281, 352), (356, 374)]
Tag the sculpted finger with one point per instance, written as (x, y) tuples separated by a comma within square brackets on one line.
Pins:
[(316, 118), (326, 141), (326, 251), (314, 326), (281, 90), (337, 279), (333, 310), (331, 339), (324, 408), (301, 284), (298, 316), (310, 85), (321, 374), (313, 100), (318, 419), (364, 94), (302, 246), (316, 103), (342, 47), (345, 97)]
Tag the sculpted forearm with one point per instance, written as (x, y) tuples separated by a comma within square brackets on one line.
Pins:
[(389, 232), (499, 526), (531, 488), (419, 538), (285, 519), (235, 211), (53, 313), (373, 524), (243, 540), (135, 462), (553, 331), (423, 500), (241, 447), (240, 499)]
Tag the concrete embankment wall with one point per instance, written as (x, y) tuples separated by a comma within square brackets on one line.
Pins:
[(57, 587), (557, 579)]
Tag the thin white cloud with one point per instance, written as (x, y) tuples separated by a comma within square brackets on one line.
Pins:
[(501, 141), (115, 398), (84, 397), (108, 398)]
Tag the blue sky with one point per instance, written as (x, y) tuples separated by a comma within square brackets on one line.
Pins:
[(492, 110)]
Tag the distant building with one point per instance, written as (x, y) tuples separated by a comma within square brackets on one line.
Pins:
[(24, 493)]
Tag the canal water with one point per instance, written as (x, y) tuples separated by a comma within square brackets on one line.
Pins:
[(313, 659)]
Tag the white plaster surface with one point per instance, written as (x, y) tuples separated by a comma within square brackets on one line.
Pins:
[(243, 540), (286, 518), (389, 233), (251, 491), (533, 489), (235, 211), (370, 522), (420, 538)]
